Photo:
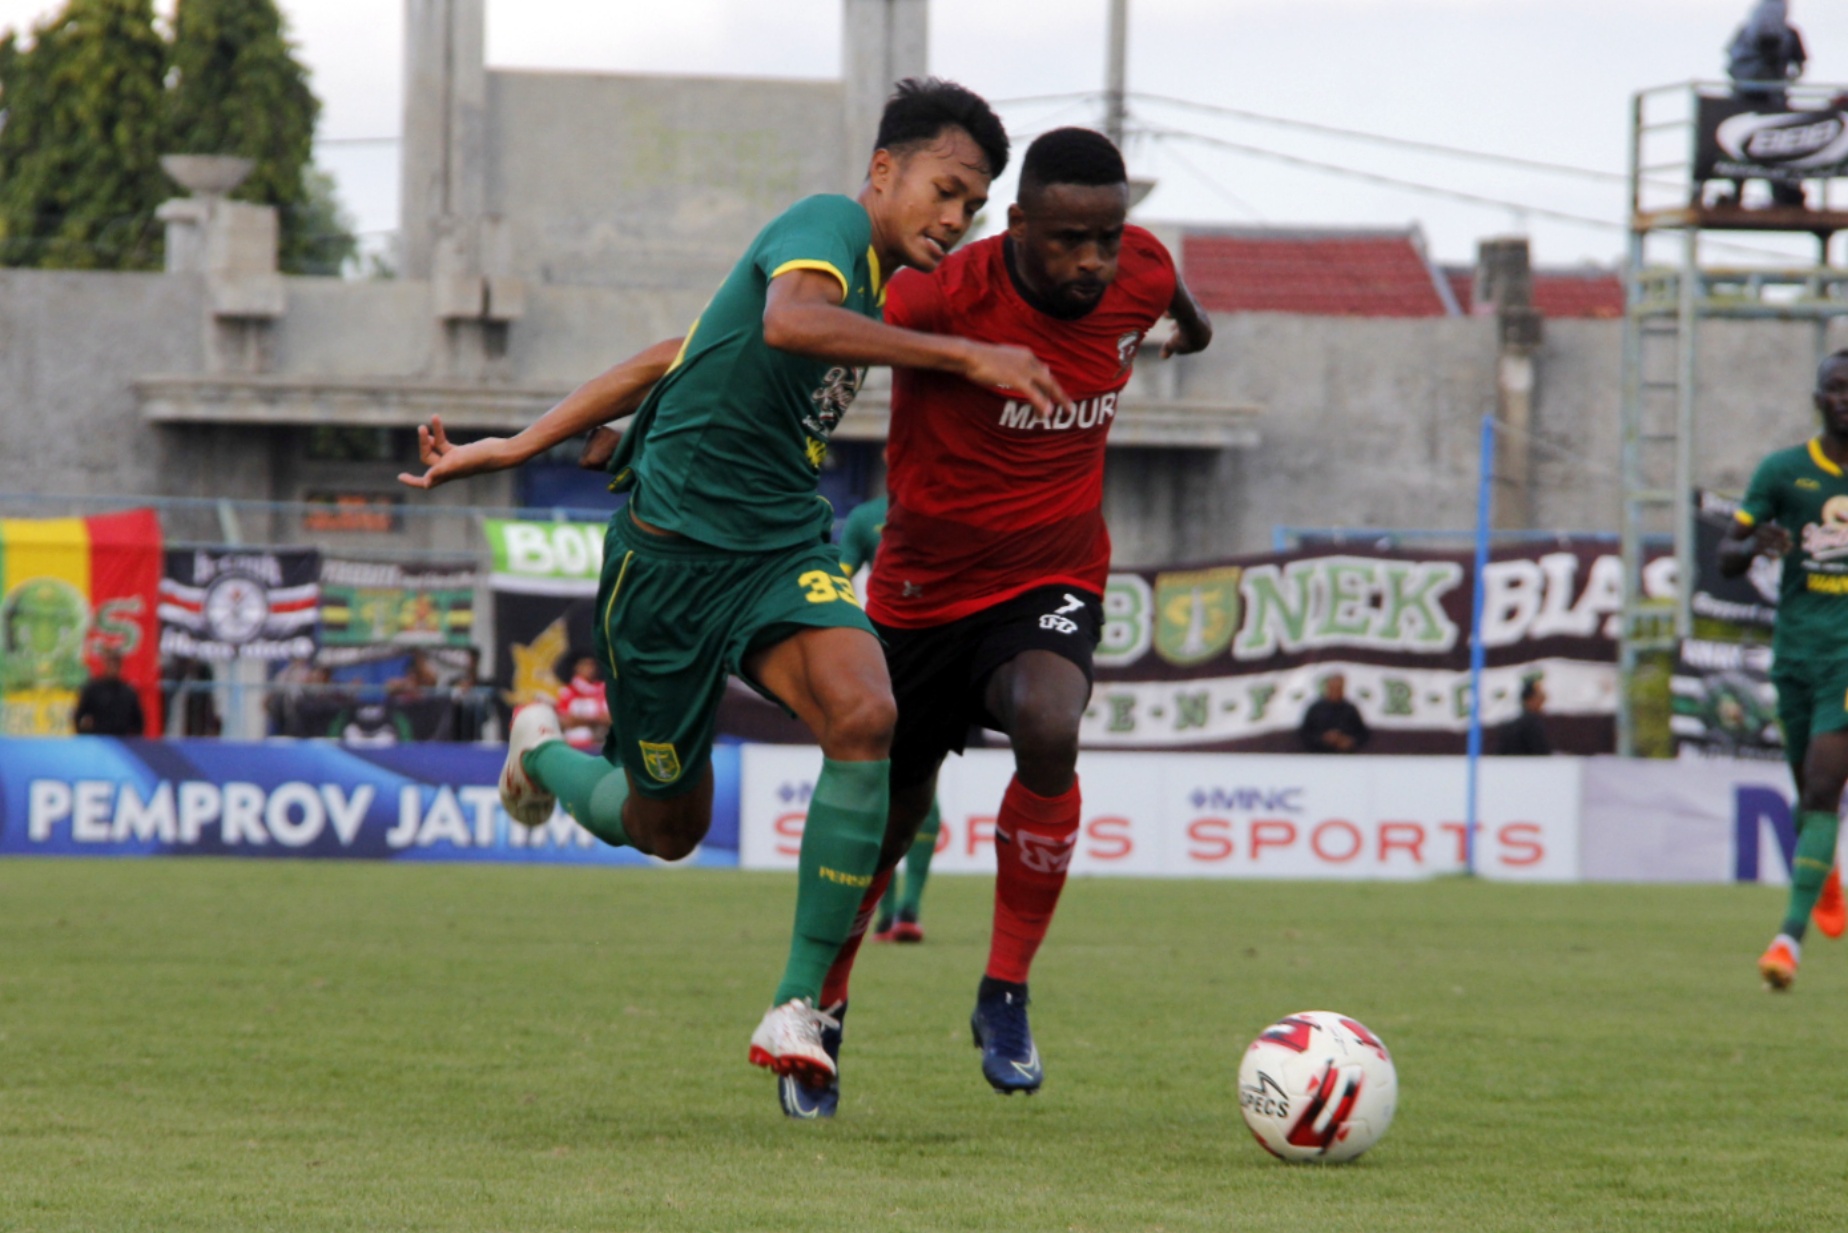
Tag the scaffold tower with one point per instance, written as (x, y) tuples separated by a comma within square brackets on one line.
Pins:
[(1687, 142)]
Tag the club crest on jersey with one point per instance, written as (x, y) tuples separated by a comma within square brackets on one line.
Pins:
[(1197, 613), (1127, 346), (660, 760)]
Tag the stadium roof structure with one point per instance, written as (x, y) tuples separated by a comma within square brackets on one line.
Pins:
[(1315, 271), (1364, 272), (1560, 293)]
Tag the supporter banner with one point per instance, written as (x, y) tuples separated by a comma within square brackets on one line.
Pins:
[(1228, 816), (1754, 141), (1722, 702), (1230, 656), (374, 610), (71, 588), (545, 588), (92, 796), (235, 603)]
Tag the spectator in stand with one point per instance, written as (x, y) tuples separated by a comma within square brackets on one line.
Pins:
[(1765, 53), (1332, 724), (584, 707), (108, 705), (1525, 735), (419, 679), (469, 702)]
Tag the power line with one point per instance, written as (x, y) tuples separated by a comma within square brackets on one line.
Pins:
[(1408, 143)]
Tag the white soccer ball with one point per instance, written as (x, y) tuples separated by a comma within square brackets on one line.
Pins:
[(1317, 1086)]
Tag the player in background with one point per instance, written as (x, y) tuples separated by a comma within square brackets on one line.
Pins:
[(718, 563), (989, 585), (584, 707), (1797, 508), (899, 911)]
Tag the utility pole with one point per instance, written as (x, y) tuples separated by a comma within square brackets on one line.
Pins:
[(1116, 72)]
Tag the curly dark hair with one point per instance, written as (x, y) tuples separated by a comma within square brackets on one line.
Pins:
[(1071, 156)]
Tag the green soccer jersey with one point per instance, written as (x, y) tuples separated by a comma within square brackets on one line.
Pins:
[(726, 448), (1804, 492), (860, 538)]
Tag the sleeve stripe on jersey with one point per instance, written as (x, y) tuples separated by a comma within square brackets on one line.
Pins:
[(812, 264)]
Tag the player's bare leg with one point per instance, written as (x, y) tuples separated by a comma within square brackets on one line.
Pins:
[(835, 680), (1825, 770), (1038, 697)]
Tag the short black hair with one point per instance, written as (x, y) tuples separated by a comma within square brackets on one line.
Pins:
[(1530, 687), (922, 107), (1829, 361), (1071, 156)]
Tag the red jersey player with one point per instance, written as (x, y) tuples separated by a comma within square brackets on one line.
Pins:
[(988, 588), (584, 708)]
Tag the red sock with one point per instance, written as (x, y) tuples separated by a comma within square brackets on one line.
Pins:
[(1034, 837), (834, 988)]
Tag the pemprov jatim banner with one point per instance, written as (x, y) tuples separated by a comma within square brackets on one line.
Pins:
[(94, 796), (1229, 656)]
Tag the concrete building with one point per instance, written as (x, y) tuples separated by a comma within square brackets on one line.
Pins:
[(555, 223)]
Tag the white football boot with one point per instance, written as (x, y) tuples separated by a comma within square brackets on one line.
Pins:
[(788, 1042), (525, 801)]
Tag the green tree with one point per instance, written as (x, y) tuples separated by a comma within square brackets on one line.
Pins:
[(238, 89), (81, 140)]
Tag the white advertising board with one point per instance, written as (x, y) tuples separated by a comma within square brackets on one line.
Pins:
[(1228, 815)]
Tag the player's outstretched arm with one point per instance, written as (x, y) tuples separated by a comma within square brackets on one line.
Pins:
[(803, 314), (1193, 329), (608, 396), (1742, 542)]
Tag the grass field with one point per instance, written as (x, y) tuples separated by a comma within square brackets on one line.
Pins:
[(217, 1045)]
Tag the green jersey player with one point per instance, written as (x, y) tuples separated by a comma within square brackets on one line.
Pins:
[(1797, 508), (718, 564)]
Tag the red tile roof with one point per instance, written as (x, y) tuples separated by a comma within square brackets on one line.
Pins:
[(1315, 272), (1558, 294)]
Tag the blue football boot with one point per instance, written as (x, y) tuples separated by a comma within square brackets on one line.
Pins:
[(809, 1102), (1010, 1060)]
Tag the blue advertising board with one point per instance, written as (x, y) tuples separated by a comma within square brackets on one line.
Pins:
[(98, 796)]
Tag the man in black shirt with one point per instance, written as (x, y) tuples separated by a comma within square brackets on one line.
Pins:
[(1332, 724), (108, 705), (1525, 735)]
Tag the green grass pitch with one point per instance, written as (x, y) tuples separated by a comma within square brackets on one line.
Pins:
[(293, 1045)]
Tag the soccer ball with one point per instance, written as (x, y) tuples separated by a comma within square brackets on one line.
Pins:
[(1317, 1086)]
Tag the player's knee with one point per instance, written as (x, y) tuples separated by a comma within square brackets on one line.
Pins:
[(1046, 737), (1821, 795), (674, 846), (863, 725)]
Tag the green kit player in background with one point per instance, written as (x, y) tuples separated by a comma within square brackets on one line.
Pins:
[(1797, 508), (899, 910), (719, 564)]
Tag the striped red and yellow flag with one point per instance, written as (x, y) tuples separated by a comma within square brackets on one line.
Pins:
[(71, 588)]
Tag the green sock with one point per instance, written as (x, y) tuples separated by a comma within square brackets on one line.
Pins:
[(917, 862), (591, 790), (840, 852), (1810, 868)]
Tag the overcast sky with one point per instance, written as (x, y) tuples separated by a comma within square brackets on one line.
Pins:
[(1543, 79)]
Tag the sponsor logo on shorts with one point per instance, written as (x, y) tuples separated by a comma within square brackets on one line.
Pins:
[(661, 760), (1063, 625)]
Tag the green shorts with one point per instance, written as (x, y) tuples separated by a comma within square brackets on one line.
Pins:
[(675, 618), (1811, 700)]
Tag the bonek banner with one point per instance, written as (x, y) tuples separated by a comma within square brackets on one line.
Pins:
[(1249, 816)]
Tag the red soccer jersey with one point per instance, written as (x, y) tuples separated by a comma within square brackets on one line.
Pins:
[(990, 499)]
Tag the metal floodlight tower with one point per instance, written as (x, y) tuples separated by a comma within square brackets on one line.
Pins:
[(1675, 155)]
